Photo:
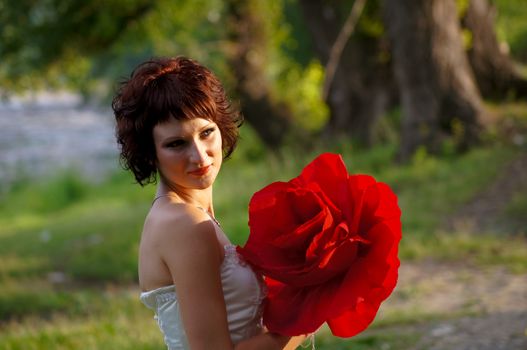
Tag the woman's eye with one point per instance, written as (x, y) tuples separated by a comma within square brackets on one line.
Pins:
[(175, 144), (207, 132)]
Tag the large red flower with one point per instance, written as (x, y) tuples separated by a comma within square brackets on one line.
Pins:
[(327, 243)]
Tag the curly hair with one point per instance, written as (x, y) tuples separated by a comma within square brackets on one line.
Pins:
[(164, 88)]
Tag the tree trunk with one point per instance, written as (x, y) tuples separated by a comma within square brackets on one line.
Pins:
[(270, 119), (435, 81), (496, 74), (360, 92)]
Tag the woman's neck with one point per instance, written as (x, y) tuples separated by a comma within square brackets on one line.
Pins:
[(198, 198)]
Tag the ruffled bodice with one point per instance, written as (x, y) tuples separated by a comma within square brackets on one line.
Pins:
[(243, 292)]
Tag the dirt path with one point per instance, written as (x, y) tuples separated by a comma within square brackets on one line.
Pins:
[(483, 212), (470, 308)]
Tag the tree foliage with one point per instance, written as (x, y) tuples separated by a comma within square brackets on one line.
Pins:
[(91, 44), (41, 36)]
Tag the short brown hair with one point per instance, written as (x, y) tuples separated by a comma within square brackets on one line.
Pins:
[(162, 88)]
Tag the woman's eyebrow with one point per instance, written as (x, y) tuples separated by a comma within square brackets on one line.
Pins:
[(208, 125)]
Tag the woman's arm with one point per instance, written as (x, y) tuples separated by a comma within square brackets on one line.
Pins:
[(188, 245), (190, 249)]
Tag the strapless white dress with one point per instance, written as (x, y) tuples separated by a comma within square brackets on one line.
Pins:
[(243, 291)]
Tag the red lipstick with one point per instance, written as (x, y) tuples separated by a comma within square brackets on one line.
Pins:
[(201, 171)]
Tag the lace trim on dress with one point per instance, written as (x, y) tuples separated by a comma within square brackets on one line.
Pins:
[(166, 297), (231, 256)]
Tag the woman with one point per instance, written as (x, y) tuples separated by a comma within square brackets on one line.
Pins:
[(174, 121)]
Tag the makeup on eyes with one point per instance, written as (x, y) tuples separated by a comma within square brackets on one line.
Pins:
[(180, 140)]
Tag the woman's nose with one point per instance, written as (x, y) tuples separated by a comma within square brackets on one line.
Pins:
[(198, 153)]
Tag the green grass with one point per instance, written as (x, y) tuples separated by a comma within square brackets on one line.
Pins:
[(511, 26), (69, 247), (110, 319), (368, 340)]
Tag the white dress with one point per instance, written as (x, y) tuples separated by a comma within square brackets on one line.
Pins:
[(243, 292)]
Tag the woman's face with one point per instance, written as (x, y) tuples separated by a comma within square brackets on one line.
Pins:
[(189, 153)]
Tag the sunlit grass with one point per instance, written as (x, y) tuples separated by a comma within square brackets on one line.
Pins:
[(95, 237), (371, 339), (68, 261), (109, 319)]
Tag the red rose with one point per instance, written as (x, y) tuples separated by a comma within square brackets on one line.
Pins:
[(326, 243)]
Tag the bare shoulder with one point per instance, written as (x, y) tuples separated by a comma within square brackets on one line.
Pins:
[(174, 217), (180, 229)]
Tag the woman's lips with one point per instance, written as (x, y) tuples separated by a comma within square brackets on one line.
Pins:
[(201, 171)]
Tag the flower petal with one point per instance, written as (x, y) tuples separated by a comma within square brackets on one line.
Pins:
[(328, 171), (327, 243)]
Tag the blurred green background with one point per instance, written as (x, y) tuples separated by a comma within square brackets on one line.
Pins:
[(68, 244)]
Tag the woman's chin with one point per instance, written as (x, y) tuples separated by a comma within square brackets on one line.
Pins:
[(203, 182)]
